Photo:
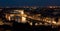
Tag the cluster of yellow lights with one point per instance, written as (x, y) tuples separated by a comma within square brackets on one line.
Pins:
[(45, 19), (52, 21), (23, 16), (49, 20)]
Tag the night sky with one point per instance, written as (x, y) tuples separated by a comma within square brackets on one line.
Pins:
[(17, 3)]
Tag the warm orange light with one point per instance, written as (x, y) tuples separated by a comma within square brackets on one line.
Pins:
[(36, 24), (31, 23), (1, 22), (54, 22), (23, 19)]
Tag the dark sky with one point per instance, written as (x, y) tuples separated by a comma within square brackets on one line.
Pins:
[(17, 3)]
